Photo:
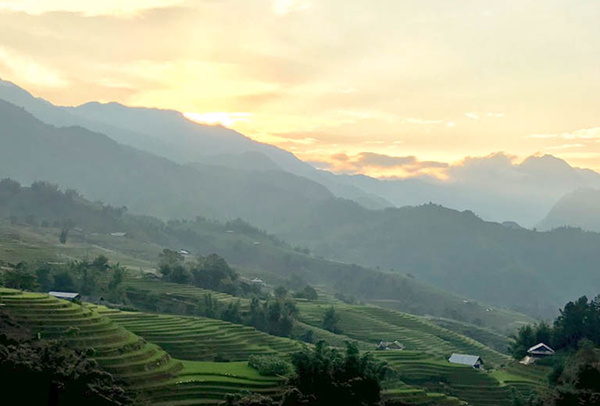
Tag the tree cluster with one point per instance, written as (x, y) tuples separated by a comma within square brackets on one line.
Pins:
[(325, 376), (577, 320), (41, 372), (210, 272), (96, 278)]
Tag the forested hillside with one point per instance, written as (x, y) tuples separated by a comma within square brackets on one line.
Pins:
[(35, 217), (457, 251)]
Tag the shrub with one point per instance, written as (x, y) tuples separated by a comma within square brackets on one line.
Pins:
[(269, 365)]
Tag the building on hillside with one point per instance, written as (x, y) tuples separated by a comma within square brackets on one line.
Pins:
[(540, 350), (474, 361), (118, 234), (70, 296), (390, 346), (184, 252), (536, 352), (257, 281)]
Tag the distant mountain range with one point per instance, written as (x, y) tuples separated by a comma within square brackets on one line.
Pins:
[(493, 187), (500, 264), (168, 134)]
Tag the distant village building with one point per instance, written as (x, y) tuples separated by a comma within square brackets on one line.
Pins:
[(540, 350), (70, 296), (119, 234), (474, 361), (183, 252), (536, 352), (257, 281), (390, 346)]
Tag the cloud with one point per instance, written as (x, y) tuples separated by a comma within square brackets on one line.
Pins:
[(88, 8), (223, 118), (422, 121), (473, 116), (567, 146), (283, 7), (381, 165), (583, 134), (27, 70)]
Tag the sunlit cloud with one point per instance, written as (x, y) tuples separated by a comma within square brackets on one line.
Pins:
[(382, 166), (567, 146), (283, 7), (422, 121), (472, 116), (583, 134), (28, 70), (219, 118), (102, 7)]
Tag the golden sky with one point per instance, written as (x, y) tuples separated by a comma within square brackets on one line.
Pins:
[(340, 82)]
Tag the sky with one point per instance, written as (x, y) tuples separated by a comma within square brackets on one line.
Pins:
[(383, 87)]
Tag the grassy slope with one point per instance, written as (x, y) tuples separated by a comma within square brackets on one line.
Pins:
[(424, 363), (421, 369), (255, 255)]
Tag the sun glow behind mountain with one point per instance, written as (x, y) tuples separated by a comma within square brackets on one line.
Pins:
[(219, 118), (328, 79)]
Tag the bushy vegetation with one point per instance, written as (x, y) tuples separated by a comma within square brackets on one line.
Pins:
[(327, 377), (324, 376), (97, 278), (270, 365), (577, 320), (331, 320), (40, 372), (307, 293), (210, 272)]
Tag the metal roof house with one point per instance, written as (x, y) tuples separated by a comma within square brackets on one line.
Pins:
[(71, 296), (474, 361), (388, 346), (540, 350)]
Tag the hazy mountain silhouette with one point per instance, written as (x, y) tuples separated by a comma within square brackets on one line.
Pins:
[(453, 250), (577, 209), (105, 170), (169, 134), (493, 187)]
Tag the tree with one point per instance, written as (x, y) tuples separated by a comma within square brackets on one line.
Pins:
[(327, 377), (64, 234), (210, 306), (117, 277), (579, 380), (44, 278), (331, 320), (63, 281), (20, 278), (308, 293), (232, 313), (280, 292)]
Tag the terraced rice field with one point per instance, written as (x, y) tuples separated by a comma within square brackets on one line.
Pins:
[(374, 324), (200, 338), (479, 388), (145, 366), (117, 350), (420, 397), (207, 383)]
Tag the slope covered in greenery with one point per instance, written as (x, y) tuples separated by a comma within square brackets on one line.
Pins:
[(36, 215), (457, 251)]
